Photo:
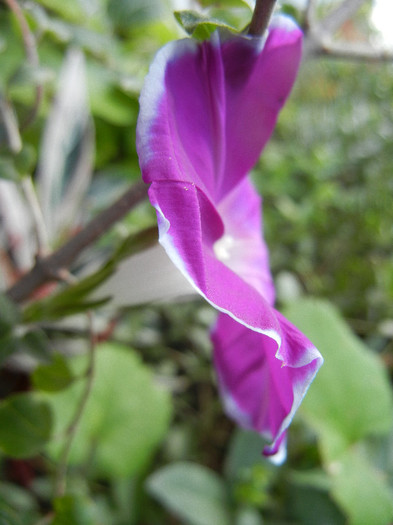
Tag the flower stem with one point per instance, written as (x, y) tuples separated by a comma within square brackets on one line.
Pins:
[(61, 475), (261, 17), (47, 269)]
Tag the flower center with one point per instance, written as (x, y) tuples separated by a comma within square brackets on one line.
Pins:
[(223, 247)]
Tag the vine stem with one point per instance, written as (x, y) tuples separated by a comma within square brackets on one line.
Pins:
[(61, 474), (261, 17)]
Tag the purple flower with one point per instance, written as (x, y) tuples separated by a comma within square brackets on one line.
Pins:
[(207, 111)]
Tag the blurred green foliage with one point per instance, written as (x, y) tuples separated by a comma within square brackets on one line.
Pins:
[(326, 180)]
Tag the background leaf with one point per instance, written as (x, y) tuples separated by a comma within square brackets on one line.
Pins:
[(25, 425), (200, 26), (66, 157), (350, 397), (361, 490), (53, 376), (194, 493), (126, 416)]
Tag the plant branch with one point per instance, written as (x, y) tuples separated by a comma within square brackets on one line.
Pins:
[(61, 474), (48, 268), (343, 12), (261, 17), (356, 52), (31, 54), (319, 35)]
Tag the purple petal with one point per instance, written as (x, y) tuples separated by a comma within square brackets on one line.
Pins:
[(242, 247), (208, 109), (189, 227), (262, 387), (258, 82)]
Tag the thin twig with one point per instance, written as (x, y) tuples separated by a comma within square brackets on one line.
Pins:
[(319, 35), (261, 17), (355, 52), (31, 54), (309, 15), (343, 12), (47, 269), (61, 474)]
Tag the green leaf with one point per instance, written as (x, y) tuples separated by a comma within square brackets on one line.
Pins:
[(66, 152), (8, 170), (248, 516), (350, 397), (9, 314), (17, 505), (125, 14), (73, 509), (361, 490), (126, 416), (33, 343), (8, 345), (244, 453), (194, 493), (70, 10), (54, 376), (25, 425), (200, 26), (72, 300)]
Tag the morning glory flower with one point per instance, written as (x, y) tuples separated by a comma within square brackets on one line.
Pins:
[(207, 110)]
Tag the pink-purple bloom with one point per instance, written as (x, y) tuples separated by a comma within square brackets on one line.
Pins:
[(207, 111)]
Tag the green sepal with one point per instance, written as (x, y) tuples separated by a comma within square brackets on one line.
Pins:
[(200, 26)]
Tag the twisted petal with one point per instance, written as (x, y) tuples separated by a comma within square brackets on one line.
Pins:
[(208, 109), (262, 387), (189, 230)]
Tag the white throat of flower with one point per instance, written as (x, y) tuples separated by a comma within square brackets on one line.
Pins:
[(223, 248)]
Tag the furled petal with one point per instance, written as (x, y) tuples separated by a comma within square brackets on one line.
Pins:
[(189, 231), (208, 109), (242, 247), (262, 388)]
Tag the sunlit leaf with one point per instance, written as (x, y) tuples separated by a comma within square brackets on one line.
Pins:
[(126, 416), (360, 490), (350, 397), (72, 508)]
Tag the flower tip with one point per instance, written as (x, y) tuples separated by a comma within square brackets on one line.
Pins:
[(276, 453), (284, 22)]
